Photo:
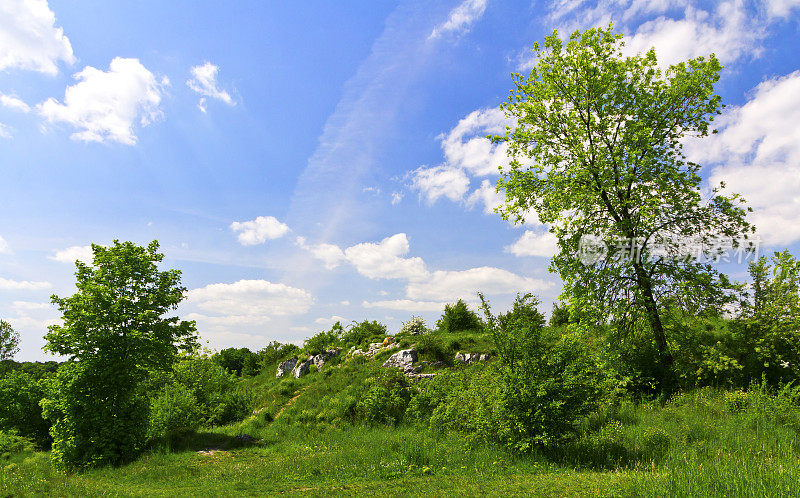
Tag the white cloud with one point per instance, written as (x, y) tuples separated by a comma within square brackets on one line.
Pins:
[(781, 8), (450, 285), (440, 181), (681, 31), (382, 260), (757, 153), (13, 102), (486, 195), (106, 105), (29, 38), (405, 305), (70, 254), (204, 82), (726, 32), (330, 254), (396, 198), (460, 19), (4, 248), (7, 284), (466, 145), (5, 131), (249, 301), (327, 322), (259, 230), (532, 243)]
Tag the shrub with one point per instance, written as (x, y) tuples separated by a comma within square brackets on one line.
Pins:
[(173, 413), (415, 326), (235, 360), (214, 388), (20, 409), (548, 382), (386, 398), (433, 348), (559, 316), (364, 332), (324, 340), (11, 443), (458, 317), (275, 352)]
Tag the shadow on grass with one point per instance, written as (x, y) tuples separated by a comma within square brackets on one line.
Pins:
[(206, 441)]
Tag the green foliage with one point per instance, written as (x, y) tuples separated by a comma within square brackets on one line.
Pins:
[(548, 382), (458, 317), (174, 412), (20, 409), (114, 333), (597, 150), (9, 341), (324, 340), (386, 398), (11, 442), (431, 347), (362, 333), (216, 392), (238, 361), (559, 316), (275, 352)]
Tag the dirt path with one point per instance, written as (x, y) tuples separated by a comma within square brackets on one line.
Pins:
[(289, 403)]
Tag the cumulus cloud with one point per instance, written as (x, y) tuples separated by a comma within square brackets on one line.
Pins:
[(440, 181), (29, 38), (330, 254), (13, 102), (106, 105), (466, 145), (757, 153), (249, 301), (781, 8), (259, 230), (405, 305), (383, 259), (8, 284), (396, 198), (678, 30), (532, 243), (4, 248), (460, 19), (70, 254), (204, 82), (450, 285)]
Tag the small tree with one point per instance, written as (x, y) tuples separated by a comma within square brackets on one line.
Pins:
[(458, 317), (597, 151), (9, 341), (114, 333)]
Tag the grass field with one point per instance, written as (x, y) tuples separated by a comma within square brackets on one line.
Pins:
[(706, 443)]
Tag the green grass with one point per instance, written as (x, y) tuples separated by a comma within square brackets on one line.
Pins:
[(705, 443)]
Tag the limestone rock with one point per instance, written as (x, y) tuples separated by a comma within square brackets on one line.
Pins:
[(403, 360), (286, 366)]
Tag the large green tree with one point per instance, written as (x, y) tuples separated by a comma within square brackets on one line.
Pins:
[(114, 333), (597, 150)]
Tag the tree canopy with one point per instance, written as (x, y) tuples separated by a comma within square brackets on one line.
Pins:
[(597, 150)]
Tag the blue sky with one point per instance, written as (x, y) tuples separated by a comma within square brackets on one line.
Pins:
[(326, 161)]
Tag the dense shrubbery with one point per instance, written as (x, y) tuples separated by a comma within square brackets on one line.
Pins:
[(218, 397), (174, 412), (20, 410), (414, 326), (239, 361), (458, 317)]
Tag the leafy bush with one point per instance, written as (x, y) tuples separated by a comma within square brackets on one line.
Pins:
[(361, 333), (11, 443), (324, 340), (548, 382), (237, 361), (386, 398), (20, 409), (415, 326), (275, 352), (173, 413), (214, 388), (559, 316), (458, 317)]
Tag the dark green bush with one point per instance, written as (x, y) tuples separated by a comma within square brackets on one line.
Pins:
[(174, 412), (11, 443), (432, 348), (20, 409), (386, 398), (236, 360), (458, 317), (324, 340), (215, 389)]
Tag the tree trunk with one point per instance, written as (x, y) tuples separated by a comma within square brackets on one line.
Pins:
[(653, 316)]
